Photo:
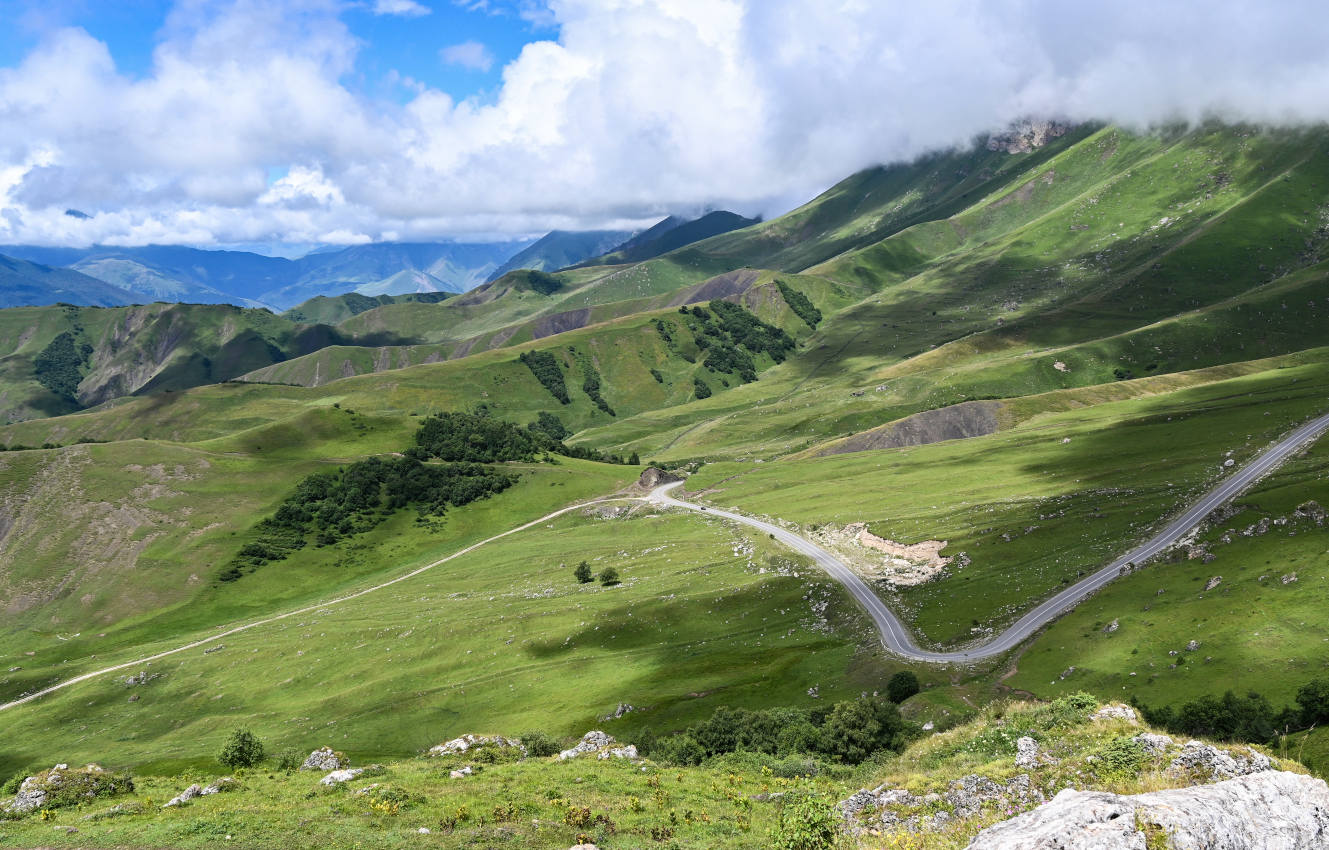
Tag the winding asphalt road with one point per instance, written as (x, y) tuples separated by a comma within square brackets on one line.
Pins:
[(897, 639)]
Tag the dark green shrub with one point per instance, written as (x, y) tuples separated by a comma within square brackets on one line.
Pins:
[(700, 388), (539, 745), (290, 759), (806, 823), (242, 749), (857, 728), (1313, 700), (902, 686), (680, 749), (583, 573), (608, 576)]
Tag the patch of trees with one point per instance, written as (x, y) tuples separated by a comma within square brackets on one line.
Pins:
[(590, 383), (700, 388), (544, 366), (479, 438), (543, 283), (1250, 718), (847, 732), (551, 426), (731, 336), (328, 507), (332, 506), (59, 366), (800, 304)]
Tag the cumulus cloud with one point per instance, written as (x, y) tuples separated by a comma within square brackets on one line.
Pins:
[(405, 8), (471, 55), (638, 108)]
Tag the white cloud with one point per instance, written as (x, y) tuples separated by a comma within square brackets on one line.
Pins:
[(638, 108), (404, 8), (469, 54)]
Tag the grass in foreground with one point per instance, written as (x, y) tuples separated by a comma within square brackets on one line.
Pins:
[(734, 801)]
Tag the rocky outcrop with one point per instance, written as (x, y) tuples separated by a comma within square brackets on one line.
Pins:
[(899, 809), (652, 478), (66, 786), (600, 743), (184, 796), (466, 743), (1272, 809), (1028, 753), (1027, 135), (226, 783), (325, 759), (1116, 711), (1202, 760)]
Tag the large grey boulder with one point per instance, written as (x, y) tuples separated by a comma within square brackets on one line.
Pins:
[(468, 742), (325, 759), (1271, 810), (1206, 761), (591, 742), (337, 777)]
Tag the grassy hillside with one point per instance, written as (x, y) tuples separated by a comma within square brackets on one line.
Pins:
[(331, 310), (730, 801)]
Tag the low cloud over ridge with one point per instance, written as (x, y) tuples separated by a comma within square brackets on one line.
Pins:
[(638, 108)]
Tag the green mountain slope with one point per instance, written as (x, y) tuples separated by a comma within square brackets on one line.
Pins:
[(331, 310)]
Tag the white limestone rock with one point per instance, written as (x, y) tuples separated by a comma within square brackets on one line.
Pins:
[(1117, 711), (325, 758), (591, 742), (337, 777), (1272, 810)]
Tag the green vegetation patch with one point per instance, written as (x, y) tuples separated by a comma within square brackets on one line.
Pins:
[(800, 304), (544, 366), (332, 506), (59, 366)]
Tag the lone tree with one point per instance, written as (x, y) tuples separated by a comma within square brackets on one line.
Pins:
[(608, 576), (583, 573), (242, 749), (902, 686)]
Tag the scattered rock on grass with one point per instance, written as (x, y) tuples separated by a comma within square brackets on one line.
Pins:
[(1028, 753), (184, 796), (1213, 582), (337, 777), (468, 742), (462, 772)]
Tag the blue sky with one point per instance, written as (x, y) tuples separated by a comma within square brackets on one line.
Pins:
[(391, 46)]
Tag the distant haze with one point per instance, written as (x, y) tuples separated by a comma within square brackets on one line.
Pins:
[(253, 123)]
